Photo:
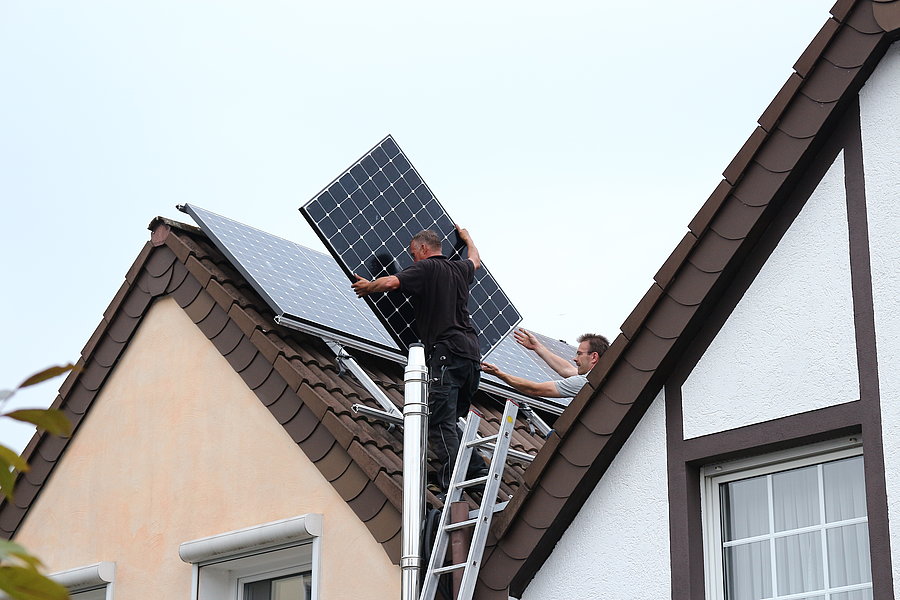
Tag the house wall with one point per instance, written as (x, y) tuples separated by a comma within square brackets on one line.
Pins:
[(880, 122), (789, 345), (176, 448), (618, 545)]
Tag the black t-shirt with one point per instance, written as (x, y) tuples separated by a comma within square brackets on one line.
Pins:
[(440, 294)]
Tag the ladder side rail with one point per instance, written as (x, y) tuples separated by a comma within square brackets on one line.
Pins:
[(454, 493), (486, 510)]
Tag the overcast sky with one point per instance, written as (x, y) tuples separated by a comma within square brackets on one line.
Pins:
[(575, 140)]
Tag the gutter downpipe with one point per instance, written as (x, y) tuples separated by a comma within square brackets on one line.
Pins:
[(415, 426)]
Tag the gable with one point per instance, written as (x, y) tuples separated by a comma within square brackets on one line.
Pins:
[(176, 447), (814, 116), (789, 344)]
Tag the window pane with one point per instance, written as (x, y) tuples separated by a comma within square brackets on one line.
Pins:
[(799, 563), (745, 508), (848, 555), (748, 571), (854, 595), (290, 588), (845, 489), (795, 497), (293, 587)]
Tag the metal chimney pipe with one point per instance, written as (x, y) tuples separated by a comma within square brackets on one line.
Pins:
[(415, 437)]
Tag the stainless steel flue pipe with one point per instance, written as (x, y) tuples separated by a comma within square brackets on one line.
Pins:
[(415, 438)]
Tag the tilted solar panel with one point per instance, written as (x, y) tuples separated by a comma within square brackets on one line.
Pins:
[(367, 216), (296, 282)]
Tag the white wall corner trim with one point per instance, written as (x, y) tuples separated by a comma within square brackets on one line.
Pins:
[(251, 539), (90, 576)]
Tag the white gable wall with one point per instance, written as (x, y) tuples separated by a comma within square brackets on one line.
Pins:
[(618, 545), (880, 120), (789, 346)]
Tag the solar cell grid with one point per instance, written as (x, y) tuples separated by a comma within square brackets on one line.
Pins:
[(368, 215)]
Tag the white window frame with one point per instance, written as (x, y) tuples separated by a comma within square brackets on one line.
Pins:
[(223, 563), (98, 578), (716, 474)]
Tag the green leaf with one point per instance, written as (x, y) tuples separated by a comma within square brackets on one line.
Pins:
[(52, 420), (12, 459), (24, 583), (8, 548), (7, 482), (46, 374)]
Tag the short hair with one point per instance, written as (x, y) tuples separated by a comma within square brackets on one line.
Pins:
[(596, 342), (427, 237)]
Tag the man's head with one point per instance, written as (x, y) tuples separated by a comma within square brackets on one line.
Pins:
[(590, 347), (424, 244)]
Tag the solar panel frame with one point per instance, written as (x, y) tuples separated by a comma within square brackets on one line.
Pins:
[(366, 217)]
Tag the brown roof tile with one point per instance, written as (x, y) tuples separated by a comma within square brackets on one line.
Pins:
[(228, 338), (319, 444), (739, 163), (769, 119), (351, 482), (709, 209), (302, 424), (368, 503), (243, 354), (887, 14), (782, 152), (813, 52), (258, 372), (286, 407)]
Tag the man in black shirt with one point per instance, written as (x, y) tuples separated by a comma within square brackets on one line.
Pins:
[(440, 292)]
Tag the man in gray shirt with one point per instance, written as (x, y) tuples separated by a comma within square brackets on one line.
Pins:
[(590, 347)]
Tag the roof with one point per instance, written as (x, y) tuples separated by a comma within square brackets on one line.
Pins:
[(795, 126), (294, 374)]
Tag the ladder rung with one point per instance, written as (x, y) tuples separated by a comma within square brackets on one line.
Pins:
[(463, 524), (488, 439), (471, 482), (449, 568), (473, 514)]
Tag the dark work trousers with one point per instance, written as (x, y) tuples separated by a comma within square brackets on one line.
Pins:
[(454, 381)]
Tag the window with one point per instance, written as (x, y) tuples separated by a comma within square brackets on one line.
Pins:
[(788, 526), (274, 561), (93, 582)]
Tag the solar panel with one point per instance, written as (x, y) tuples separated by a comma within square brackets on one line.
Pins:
[(516, 360), (296, 282), (558, 347), (367, 217)]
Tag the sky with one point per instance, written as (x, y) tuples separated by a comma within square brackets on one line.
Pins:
[(574, 140)]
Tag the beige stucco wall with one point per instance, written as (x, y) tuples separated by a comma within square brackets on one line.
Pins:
[(176, 448)]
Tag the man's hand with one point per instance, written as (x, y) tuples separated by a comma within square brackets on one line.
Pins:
[(364, 287), (464, 236), (490, 369), (527, 339), (361, 286)]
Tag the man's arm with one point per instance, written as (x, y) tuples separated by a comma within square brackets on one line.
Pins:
[(364, 287), (547, 389), (556, 362), (474, 256)]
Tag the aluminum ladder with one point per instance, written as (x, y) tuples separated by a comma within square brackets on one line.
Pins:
[(480, 519)]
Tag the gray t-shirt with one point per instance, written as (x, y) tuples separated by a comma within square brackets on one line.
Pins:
[(570, 386)]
